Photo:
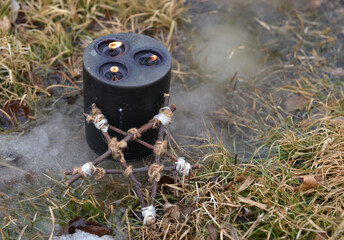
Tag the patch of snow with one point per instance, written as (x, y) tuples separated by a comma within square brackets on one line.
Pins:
[(83, 235)]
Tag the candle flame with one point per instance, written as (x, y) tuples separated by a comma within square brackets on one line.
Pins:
[(114, 69), (153, 57), (114, 45)]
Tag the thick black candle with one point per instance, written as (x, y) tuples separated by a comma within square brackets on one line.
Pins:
[(126, 76)]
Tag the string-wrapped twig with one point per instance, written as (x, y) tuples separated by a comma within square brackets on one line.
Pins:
[(88, 169), (134, 132), (149, 146), (163, 118), (157, 156), (115, 148), (143, 143), (98, 119), (108, 153), (160, 147), (138, 170), (183, 167), (154, 172)]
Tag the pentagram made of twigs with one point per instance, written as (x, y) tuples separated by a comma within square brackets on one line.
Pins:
[(115, 149)]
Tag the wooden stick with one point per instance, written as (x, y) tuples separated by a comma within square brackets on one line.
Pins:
[(138, 170), (95, 163), (157, 157)]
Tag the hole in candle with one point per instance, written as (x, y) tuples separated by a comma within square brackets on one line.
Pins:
[(113, 71), (111, 48), (148, 58)]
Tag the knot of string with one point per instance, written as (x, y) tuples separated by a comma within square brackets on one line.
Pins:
[(128, 171), (160, 147), (164, 117), (98, 119), (154, 172), (148, 214), (183, 167), (135, 133), (88, 169), (100, 172), (116, 149)]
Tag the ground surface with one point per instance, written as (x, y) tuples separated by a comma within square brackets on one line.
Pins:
[(258, 86)]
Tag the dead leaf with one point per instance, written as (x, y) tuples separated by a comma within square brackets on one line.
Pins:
[(185, 209), (18, 111), (246, 184), (320, 236), (212, 232), (177, 211), (172, 211), (295, 103), (86, 226), (252, 203), (308, 182), (337, 72), (5, 25)]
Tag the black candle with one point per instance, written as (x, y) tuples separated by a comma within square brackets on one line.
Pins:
[(126, 76)]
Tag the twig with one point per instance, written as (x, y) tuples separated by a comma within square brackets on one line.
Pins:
[(161, 134), (137, 170), (137, 184), (96, 162)]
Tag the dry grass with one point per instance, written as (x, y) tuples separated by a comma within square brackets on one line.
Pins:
[(294, 193), (31, 211)]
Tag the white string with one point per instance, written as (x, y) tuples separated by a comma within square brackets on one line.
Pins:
[(183, 167), (148, 213), (163, 118), (88, 169), (102, 124)]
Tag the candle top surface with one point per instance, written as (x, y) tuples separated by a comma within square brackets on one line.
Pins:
[(133, 58)]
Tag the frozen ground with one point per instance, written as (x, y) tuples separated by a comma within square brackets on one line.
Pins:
[(222, 46), (56, 144)]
